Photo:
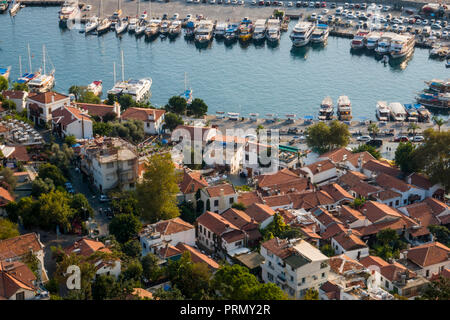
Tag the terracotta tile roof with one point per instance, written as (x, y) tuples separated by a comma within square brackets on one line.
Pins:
[(249, 198), (13, 94), (351, 177), (393, 272), (340, 264), (308, 232), (67, 115), (93, 109), (373, 261), (429, 254), (20, 245), (47, 97), (197, 256), (331, 290), (215, 191), (192, 181), (20, 153), (324, 165), (445, 219), (278, 200), (380, 166), (5, 197), (142, 114), (15, 276), (237, 217), (325, 218), (280, 177), (375, 211), (229, 139), (337, 155), (349, 241), (86, 247), (354, 158), (387, 181), (333, 229), (278, 247), (436, 206), (259, 212), (233, 236), (444, 273), (420, 181), (364, 189), (215, 222), (168, 251), (348, 214), (396, 224), (387, 194), (422, 212), (142, 293), (336, 192), (297, 185), (3, 129), (172, 226), (309, 200)]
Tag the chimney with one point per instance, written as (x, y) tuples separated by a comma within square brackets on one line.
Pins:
[(349, 232), (365, 211), (116, 109), (53, 97), (319, 167)]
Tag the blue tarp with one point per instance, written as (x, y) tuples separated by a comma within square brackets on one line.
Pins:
[(76, 145), (408, 106), (308, 117), (190, 24), (164, 141), (417, 105)]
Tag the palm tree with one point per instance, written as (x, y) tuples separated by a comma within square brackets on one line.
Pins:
[(373, 129), (439, 122), (413, 127)]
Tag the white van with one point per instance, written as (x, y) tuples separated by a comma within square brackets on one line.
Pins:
[(426, 31), (339, 11)]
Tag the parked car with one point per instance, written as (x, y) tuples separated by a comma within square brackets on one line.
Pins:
[(418, 138), (376, 143), (401, 139), (363, 138), (104, 198)]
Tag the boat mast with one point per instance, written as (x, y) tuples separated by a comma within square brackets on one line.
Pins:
[(20, 65), (185, 82), (114, 72), (138, 8), (29, 58), (123, 71), (43, 55)]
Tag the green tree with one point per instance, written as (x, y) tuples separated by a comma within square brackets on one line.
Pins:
[(126, 101), (124, 227), (176, 105), (104, 287), (172, 294), (311, 294), (76, 91), (133, 272), (8, 179), (50, 171), (358, 203), (8, 229), (129, 130), (239, 206), (40, 186), (20, 86), (237, 283), (441, 234), (157, 192), (132, 248), (125, 202), (151, 269), (82, 209), (438, 290), (4, 85), (439, 122), (25, 208), (172, 121), (89, 97), (370, 149), (188, 212), (373, 129), (404, 157), (102, 129), (413, 127), (70, 140), (322, 138), (55, 209), (110, 116), (9, 105), (327, 250), (198, 108)]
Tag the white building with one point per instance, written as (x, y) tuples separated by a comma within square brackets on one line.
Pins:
[(294, 265), (153, 118), (220, 197), (68, 121), (319, 172), (350, 244), (164, 232), (40, 106), (18, 97)]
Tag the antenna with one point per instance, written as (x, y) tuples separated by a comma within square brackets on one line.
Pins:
[(29, 58), (123, 71)]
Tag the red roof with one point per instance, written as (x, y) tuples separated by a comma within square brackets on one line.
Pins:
[(215, 191), (20, 245), (5, 197), (429, 254), (197, 256), (260, 212), (215, 222), (86, 247), (248, 198), (381, 166), (93, 109), (47, 97), (14, 94), (67, 115), (15, 276), (192, 181), (142, 114)]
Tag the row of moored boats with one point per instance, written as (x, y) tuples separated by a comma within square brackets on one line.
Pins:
[(387, 43)]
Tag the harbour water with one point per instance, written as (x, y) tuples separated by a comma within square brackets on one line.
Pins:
[(236, 78)]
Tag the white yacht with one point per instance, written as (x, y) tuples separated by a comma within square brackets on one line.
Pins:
[(372, 40), (320, 34), (402, 46), (91, 25), (44, 82), (344, 106), (204, 31), (69, 12), (273, 32), (383, 111), (175, 28), (326, 109), (260, 30), (301, 34), (221, 28), (359, 40), (121, 26), (384, 43), (397, 111), (104, 26), (95, 87), (138, 89), (165, 25), (153, 28), (132, 25)]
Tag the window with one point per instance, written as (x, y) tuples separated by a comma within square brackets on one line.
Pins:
[(427, 274), (269, 276), (390, 204), (292, 279), (20, 296), (405, 201), (386, 284), (231, 200), (209, 234), (216, 203), (397, 202), (200, 228), (303, 280), (148, 124), (130, 163), (323, 275), (238, 243)]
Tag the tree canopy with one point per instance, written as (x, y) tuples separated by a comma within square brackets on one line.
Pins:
[(176, 105), (8, 229), (370, 149), (197, 108), (404, 157), (322, 137), (157, 192), (125, 227), (172, 120)]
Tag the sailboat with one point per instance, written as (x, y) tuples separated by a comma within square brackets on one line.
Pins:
[(3, 6), (14, 9), (142, 22), (187, 94), (4, 72), (44, 82), (91, 25), (104, 25), (28, 75)]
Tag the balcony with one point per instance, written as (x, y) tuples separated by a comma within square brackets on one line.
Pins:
[(281, 278)]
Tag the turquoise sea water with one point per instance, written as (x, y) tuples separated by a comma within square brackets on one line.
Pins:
[(245, 79)]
